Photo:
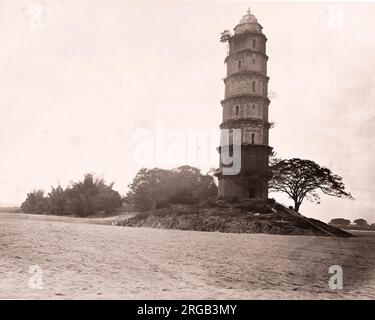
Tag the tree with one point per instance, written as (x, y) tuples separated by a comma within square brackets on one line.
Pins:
[(225, 36), (154, 188), (340, 221), (372, 227), (35, 203), (301, 179), (91, 196), (144, 191), (360, 222), (57, 201)]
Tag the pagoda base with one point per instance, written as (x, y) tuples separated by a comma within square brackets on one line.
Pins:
[(240, 187), (252, 180)]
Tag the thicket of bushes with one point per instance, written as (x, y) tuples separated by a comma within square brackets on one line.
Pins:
[(84, 198)]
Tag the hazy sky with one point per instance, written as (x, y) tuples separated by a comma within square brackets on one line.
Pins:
[(79, 81)]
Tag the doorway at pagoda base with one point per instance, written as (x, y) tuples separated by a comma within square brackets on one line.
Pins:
[(253, 189), (252, 193)]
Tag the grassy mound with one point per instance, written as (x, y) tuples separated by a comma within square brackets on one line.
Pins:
[(257, 216)]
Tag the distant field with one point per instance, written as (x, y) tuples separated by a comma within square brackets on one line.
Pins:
[(10, 209), (362, 233), (89, 260)]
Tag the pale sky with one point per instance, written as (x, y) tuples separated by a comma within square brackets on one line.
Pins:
[(80, 79)]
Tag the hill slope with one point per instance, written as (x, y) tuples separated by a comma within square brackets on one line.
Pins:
[(255, 216)]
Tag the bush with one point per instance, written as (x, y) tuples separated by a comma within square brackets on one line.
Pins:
[(212, 202), (261, 206), (183, 196), (84, 198)]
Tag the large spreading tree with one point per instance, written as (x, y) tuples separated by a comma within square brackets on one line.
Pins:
[(155, 188), (303, 179)]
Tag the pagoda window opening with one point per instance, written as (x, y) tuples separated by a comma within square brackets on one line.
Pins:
[(252, 137), (253, 86), (237, 110), (254, 42), (239, 64)]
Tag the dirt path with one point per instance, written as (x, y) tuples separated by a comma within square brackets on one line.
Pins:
[(81, 260)]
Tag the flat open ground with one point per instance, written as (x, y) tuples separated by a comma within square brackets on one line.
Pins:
[(89, 260)]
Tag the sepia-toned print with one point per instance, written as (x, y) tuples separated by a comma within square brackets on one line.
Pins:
[(187, 150)]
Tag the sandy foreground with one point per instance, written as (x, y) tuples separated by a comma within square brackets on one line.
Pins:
[(81, 260)]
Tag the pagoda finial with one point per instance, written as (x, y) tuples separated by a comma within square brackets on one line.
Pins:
[(248, 11)]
